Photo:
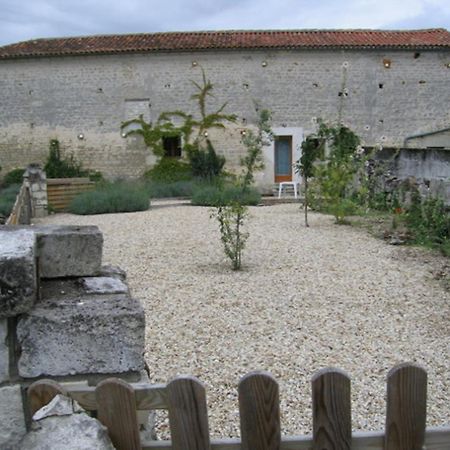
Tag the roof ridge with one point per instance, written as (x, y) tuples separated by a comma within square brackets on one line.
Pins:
[(229, 39)]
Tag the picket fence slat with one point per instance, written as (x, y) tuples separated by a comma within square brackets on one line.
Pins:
[(188, 415), (42, 392), (259, 409), (117, 403), (406, 408), (331, 403), (117, 412)]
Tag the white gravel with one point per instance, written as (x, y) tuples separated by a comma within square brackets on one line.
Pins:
[(306, 298)]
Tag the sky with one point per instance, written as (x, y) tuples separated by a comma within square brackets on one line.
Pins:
[(32, 19)]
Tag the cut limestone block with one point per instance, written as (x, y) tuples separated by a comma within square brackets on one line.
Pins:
[(18, 271), (69, 251), (104, 285), (12, 420), (71, 331), (4, 354)]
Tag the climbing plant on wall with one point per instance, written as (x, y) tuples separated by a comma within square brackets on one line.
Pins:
[(193, 130)]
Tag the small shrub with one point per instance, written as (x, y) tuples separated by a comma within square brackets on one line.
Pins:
[(231, 220), (428, 221), (57, 167), (206, 164), (216, 195), (169, 170), (164, 190), (15, 176), (7, 198), (111, 198)]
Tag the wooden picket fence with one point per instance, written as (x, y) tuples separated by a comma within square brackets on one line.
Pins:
[(116, 403), (61, 191), (22, 210)]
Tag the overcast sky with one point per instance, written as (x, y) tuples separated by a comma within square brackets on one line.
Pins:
[(31, 19)]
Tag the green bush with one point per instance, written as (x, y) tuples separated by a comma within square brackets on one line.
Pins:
[(206, 164), (428, 221), (57, 167), (15, 176), (169, 170), (111, 198), (164, 190), (7, 198), (216, 195)]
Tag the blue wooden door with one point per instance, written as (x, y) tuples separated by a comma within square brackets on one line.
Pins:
[(283, 158)]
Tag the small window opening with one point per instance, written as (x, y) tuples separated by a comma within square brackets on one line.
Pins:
[(416, 55), (381, 85), (422, 82), (172, 146)]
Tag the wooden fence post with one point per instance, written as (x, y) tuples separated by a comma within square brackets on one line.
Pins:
[(188, 414), (259, 409), (406, 408), (331, 402), (117, 412)]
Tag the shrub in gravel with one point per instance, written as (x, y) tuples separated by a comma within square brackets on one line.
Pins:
[(175, 189), (212, 195), (111, 198)]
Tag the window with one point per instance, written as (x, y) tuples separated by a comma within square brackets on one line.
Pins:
[(172, 146)]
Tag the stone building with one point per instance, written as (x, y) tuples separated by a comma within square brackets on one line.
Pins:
[(391, 87)]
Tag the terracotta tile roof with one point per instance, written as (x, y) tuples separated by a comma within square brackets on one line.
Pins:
[(212, 40)]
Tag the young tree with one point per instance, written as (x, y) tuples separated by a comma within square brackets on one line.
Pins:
[(311, 147), (231, 216), (333, 165)]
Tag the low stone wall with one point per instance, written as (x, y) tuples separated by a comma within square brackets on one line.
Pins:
[(62, 316), (427, 169)]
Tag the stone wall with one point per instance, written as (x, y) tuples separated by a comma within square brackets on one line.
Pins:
[(89, 96), (63, 316)]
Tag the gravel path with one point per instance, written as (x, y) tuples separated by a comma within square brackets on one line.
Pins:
[(306, 298)]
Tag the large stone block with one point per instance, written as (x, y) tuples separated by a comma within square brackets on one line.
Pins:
[(18, 271), (12, 420), (4, 353), (77, 431), (69, 251), (73, 331)]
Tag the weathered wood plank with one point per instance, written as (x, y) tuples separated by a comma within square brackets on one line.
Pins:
[(117, 411), (259, 408), (42, 392), (188, 415), (331, 404), (406, 407), (435, 439), (148, 396)]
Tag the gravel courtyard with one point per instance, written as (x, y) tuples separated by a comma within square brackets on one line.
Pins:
[(306, 298)]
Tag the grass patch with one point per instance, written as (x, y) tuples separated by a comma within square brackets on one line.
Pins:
[(111, 198), (212, 195)]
